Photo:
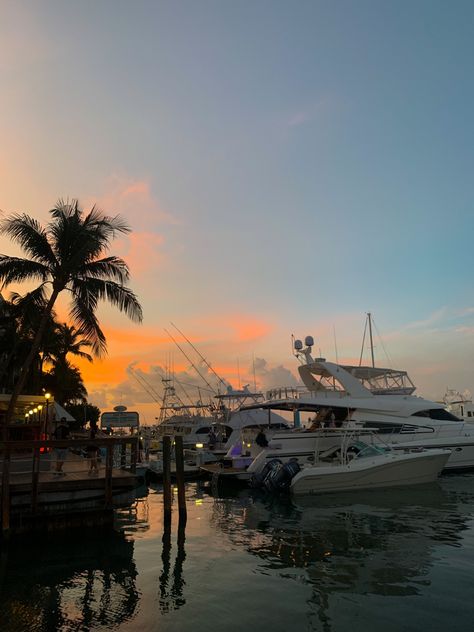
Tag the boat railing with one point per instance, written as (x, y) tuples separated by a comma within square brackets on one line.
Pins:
[(451, 429)]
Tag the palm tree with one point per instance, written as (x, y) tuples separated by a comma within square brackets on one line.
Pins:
[(19, 321), (65, 381), (66, 339), (68, 254)]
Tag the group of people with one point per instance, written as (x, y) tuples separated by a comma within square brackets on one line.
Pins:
[(61, 433)]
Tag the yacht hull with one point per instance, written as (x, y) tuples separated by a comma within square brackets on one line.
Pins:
[(390, 470)]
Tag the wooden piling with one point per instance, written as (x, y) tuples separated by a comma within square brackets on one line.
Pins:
[(123, 456), (133, 456), (180, 479), (35, 479), (108, 475), (167, 497)]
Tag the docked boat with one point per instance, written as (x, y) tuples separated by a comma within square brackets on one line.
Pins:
[(459, 404), (359, 465), (338, 397)]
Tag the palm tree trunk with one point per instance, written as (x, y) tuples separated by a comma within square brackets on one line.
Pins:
[(29, 360)]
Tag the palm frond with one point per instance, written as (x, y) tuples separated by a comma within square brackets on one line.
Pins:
[(92, 290), (107, 223), (84, 318), (17, 270), (108, 267), (31, 236)]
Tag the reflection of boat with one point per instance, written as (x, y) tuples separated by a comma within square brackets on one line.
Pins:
[(337, 556), (368, 397), (358, 465)]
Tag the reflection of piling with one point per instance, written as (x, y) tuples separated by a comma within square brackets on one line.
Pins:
[(167, 480), (180, 480), (6, 491)]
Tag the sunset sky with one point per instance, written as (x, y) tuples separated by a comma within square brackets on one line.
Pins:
[(285, 168)]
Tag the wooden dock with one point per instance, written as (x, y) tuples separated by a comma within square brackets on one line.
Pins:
[(34, 495)]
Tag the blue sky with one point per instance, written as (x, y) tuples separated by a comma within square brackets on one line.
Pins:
[(289, 165)]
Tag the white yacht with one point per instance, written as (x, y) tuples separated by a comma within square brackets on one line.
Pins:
[(460, 404), (344, 396)]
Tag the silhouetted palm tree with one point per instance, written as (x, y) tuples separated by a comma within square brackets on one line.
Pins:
[(65, 340), (68, 255)]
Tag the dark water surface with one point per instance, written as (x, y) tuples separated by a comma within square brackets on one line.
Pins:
[(385, 560)]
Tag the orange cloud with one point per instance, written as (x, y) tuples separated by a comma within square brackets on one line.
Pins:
[(109, 371), (134, 200), (237, 327)]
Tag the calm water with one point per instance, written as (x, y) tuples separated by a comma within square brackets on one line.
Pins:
[(385, 560)]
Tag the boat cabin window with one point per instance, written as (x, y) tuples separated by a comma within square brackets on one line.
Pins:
[(203, 430), (436, 413), (391, 428)]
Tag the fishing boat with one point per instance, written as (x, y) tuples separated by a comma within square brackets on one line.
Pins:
[(360, 465)]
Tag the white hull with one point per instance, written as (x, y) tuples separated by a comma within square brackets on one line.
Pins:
[(389, 470), (303, 444)]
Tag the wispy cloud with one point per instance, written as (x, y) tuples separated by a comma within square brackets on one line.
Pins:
[(311, 112), (134, 199)]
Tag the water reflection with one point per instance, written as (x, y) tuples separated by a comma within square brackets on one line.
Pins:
[(69, 581), (171, 593), (382, 543)]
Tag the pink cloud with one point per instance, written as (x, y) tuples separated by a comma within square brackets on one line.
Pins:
[(142, 252), (134, 200)]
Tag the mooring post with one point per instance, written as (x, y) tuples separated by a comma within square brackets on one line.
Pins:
[(133, 457), (6, 489), (123, 456), (167, 497), (108, 475), (180, 479)]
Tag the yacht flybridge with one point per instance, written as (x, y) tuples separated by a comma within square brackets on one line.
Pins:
[(342, 396)]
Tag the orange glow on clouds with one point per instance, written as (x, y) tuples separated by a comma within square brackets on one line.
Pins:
[(237, 327), (143, 254)]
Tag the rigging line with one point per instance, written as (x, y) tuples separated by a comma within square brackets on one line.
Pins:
[(185, 392), (150, 386), (201, 356), (148, 391), (335, 343), (199, 388), (254, 377), (390, 362), (363, 341), (189, 360)]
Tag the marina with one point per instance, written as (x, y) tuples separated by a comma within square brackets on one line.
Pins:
[(202, 207)]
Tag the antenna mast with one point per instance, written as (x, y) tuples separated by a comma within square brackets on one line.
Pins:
[(369, 316)]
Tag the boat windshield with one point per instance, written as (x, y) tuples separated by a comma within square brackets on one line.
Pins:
[(362, 450)]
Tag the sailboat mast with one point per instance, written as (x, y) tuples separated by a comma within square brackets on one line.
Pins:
[(369, 316)]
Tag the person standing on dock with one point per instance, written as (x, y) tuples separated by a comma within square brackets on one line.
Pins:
[(92, 451), (60, 434)]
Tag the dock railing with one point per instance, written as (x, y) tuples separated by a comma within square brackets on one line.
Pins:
[(29, 464)]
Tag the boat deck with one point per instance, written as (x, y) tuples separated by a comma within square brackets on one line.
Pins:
[(216, 468)]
